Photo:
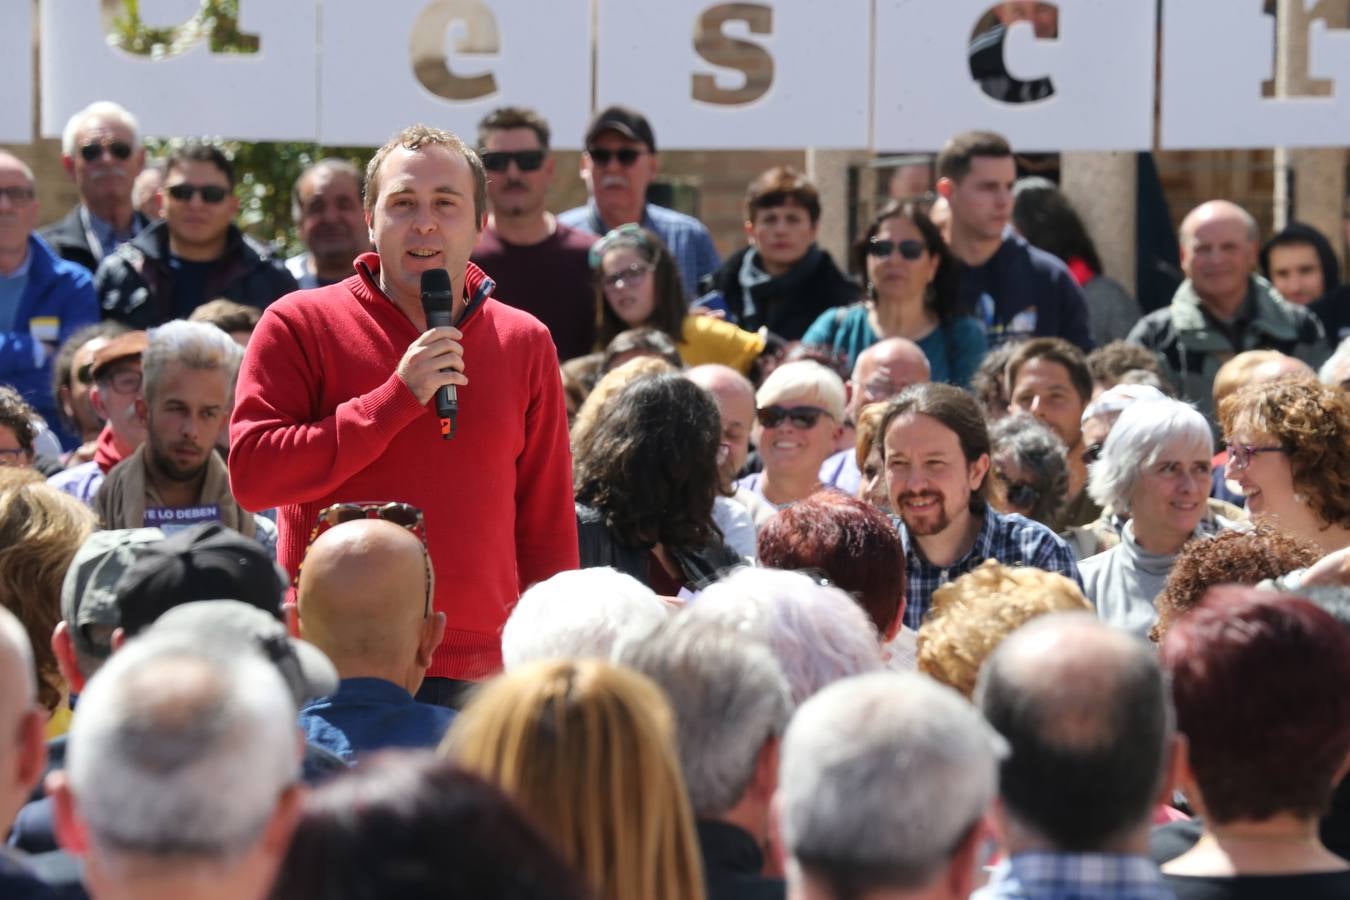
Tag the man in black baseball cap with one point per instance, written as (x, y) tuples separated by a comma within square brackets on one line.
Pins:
[(619, 164)]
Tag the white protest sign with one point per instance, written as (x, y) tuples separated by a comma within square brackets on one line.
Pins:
[(1098, 64), (184, 87), (16, 75), (774, 73), (1217, 56), (448, 63)]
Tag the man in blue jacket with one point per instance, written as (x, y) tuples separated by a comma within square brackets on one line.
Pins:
[(43, 298)]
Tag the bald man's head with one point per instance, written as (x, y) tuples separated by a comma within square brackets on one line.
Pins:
[(1218, 253), (1085, 710), (885, 369), (22, 749), (735, 398), (365, 600)]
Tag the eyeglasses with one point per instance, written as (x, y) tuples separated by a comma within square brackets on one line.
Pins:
[(17, 194), (525, 160), (119, 149), (211, 193), (626, 157), (405, 515), (123, 381), (803, 417), (631, 275), (1240, 455), (910, 250), (1092, 453), (12, 457)]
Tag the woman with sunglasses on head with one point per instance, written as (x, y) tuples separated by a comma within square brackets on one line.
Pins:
[(911, 293), (1289, 450), (798, 423), (638, 285)]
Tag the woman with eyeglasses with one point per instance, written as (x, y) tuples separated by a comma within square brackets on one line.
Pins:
[(1289, 451), (1154, 466), (798, 422), (638, 286), (911, 293)]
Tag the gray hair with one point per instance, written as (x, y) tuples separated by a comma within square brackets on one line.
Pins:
[(818, 634), (104, 109), (1040, 454), (327, 164), (14, 641), (1142, 433), (181, 750), (881, 777), (729, 697), (1327, 374), (195, 345), (578, 614)]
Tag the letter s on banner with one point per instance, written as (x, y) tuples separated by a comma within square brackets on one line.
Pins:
[(751, 60), (427, 47)]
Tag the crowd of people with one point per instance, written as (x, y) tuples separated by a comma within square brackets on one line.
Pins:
[(631, 572)]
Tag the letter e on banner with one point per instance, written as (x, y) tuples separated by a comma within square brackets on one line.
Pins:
[(1074, 75), (449, 63), (751, 60), (780, 79), (180, 89), (1215, 78), (16, 76)]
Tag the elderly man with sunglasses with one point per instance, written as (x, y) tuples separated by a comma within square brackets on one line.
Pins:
[(195, 255), (540, 265), (618, 166), (102, 153)]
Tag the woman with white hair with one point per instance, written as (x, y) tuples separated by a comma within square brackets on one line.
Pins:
[(1154, 467), (798, 422)]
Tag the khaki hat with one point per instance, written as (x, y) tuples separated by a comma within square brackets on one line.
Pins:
[(133, 343)]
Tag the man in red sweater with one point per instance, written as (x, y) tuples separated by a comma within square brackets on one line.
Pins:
[(334, 405)]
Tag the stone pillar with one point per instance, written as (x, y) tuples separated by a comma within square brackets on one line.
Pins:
[(828, 170), (1102, 187), (1317, 175)]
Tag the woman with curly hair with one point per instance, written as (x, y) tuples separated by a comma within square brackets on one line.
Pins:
[(1289, 450), (645, 480), (40, 530), (911, 293), (1233, 557)]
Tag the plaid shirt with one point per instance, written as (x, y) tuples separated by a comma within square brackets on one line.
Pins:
[(1012, 540), (1075, 876)]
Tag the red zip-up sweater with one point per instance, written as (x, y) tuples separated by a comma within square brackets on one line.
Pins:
[(322, 417)]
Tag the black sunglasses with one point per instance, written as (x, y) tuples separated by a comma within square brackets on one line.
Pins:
[(525, 160), (1092, 453), (118, 149), (626, 157), (910, 250), (802, 417), (211, 193)]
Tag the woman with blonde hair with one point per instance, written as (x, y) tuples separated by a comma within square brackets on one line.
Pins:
[(588, 750)]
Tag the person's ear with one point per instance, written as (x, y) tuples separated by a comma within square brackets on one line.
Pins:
[(68, 163), (964, 867), (433, 630), (32, 748), (550, 166), (750, 232), (653, 163), (119, 638), (96, 401), (978, 470), (276, 836), (764, 778), (63, 647), (944, 188), (70, 831), (142, 411)]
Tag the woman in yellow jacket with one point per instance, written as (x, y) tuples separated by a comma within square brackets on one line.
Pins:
[(638, 284)]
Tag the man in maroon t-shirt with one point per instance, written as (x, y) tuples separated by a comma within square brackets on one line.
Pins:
[(539, 264)]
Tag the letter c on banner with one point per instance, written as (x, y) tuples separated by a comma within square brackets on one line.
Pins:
[(427, 48), (751, 60), (989, 68)]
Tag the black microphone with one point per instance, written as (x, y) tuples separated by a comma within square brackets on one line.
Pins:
[(438, 302)]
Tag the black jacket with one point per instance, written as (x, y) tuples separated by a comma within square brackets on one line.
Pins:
[(135, 284), (599, 547), (789, 303), (67, 237)]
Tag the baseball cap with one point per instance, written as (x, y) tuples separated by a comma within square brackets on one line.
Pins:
[(626, 121), (87, 593), (133, 343), (307, 671), (204, 562)]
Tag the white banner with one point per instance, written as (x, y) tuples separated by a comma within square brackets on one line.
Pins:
[(1214, 78), (448, 63), (184, 88), (16, 75), (774, 73), (1089, 87)]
